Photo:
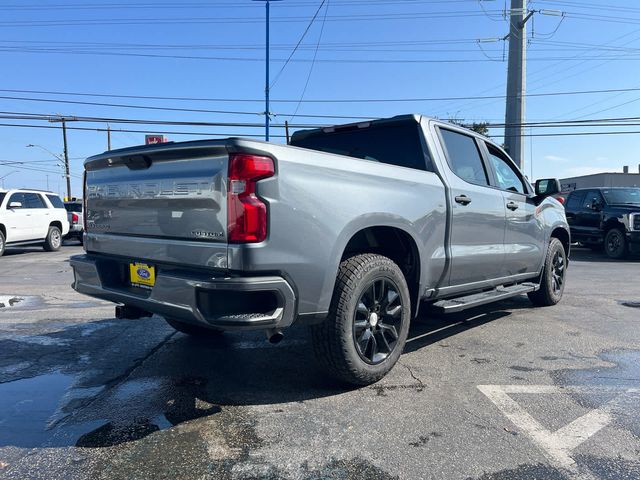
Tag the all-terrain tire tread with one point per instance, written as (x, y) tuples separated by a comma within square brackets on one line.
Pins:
[(543, 296), (329, 351)]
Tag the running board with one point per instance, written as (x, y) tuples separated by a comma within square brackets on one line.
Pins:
[(458, 304)]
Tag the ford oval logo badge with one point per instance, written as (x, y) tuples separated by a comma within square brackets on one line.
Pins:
[(143, 273)]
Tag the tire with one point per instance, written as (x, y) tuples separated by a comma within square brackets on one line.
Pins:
[(553, 276), (193, 330), (53, 242), (615, 244), (370, 302), (2, 243)]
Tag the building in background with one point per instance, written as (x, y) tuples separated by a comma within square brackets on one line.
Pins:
[(623, 179)]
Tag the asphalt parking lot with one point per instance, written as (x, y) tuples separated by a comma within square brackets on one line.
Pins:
[(502, 392)]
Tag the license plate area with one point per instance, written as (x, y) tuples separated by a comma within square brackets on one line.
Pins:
[(142, 275)]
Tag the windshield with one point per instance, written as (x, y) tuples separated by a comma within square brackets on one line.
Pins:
[(622, 195), (2, 195)]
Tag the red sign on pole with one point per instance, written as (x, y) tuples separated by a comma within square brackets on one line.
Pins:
[(153, 139)]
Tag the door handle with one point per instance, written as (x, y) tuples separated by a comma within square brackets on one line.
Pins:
[(512, 206), (463, 200)]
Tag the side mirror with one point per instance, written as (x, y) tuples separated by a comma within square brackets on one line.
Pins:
[(547, 187), (15, 205)]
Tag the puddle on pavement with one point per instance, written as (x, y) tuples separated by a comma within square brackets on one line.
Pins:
[(33, 410), (26, 407), (12, 302), (629, 303)]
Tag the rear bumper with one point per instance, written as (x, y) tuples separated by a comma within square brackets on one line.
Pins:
[(226, 303)]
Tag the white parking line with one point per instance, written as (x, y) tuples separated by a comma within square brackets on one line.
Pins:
[(557, 445)]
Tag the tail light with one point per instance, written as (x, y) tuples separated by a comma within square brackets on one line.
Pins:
[(246, 212), (74, 218)]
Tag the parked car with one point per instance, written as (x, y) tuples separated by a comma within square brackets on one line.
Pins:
[(605, 218), (76, 221), (347, 229), (29, 217)]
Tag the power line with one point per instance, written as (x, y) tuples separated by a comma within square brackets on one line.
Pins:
[(336, 100), (80, 118), (147, 107), (205, 134), (208, 5), (240, 20), (315, 54), (304, 34)]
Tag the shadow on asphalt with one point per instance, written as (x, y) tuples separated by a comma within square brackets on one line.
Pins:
[(112, 381), (580, 254), (14, 251)]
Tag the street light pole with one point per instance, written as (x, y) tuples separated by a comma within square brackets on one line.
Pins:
[(5, 176), (267, 111), (266, 82), (63, 158)]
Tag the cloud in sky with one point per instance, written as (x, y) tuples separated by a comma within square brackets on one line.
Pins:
[(555, 158), (579, 171)]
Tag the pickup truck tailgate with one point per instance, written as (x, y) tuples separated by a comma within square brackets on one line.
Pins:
[(162, 194)]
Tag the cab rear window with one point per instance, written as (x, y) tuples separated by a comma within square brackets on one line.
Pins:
[(393, 144)]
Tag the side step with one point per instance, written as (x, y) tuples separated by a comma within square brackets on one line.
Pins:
[(458, 304)]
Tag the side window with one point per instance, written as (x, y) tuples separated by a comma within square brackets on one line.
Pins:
[(464, 157), (17, 197), (591, 197), (508, 178), (33, 200), (574, 201), (55, 201)]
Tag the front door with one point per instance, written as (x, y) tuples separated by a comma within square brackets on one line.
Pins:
[(478, 212), (18, 219), (524, 237)]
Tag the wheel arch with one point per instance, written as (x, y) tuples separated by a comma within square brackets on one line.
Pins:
[(56, 223), (395, 243), (3, 229), (564, 236)]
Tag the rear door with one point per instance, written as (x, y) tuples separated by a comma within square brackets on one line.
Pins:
[(572, 208), (478, 212), (39, 215), (589, 217), (524, 235)]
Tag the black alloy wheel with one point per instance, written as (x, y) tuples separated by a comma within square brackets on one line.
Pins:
[(377, 321), (557, 272), (615, 244)]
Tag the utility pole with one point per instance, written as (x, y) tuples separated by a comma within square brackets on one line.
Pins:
[(67, 172), (66, 158), (516, 81), (108, 137)]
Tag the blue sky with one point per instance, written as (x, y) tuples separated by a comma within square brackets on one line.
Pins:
[(369, 50)]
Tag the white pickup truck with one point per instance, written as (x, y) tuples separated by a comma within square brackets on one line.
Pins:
[(29, 217)]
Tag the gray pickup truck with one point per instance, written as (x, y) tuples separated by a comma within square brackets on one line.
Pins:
[(348, 229)]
